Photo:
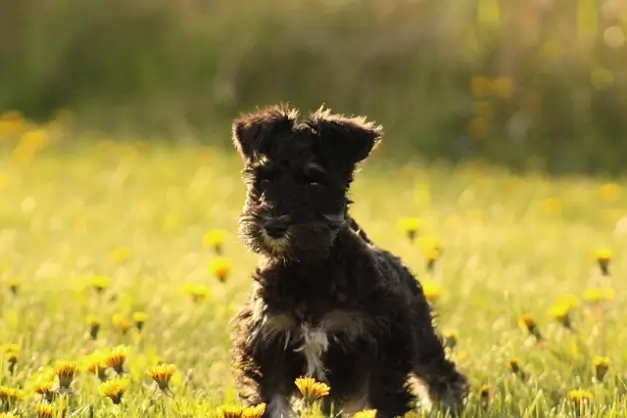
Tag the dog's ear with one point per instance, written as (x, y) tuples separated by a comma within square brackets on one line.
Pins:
[(351, 139), (253, 133)]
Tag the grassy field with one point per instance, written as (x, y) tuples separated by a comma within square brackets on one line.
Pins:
[(96, 233)]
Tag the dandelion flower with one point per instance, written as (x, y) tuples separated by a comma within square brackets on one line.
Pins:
[(100, 283), (116, 358), (366, 413), (550, 205), (310, 389), (231, 411), (410, 226), (528, 323), (114, 389), (432, 255), (45, 411), (14, 284), (431, 290), (596, 295), (485, 394), (11, 358), (10, 395), (120, 254), (568, 299), (603, 257), (93, 322), (215, 239), (503, 87), (610, 192), (161, 374), (561, 313), (197, 292), (601, 366), (122, 323), (96, 363), (46, 389), (140, 319), (65, 373), (450, 339), (220, 268), (579, 396), (256, 411)]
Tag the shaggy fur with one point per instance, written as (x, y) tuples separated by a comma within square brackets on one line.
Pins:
[(326, 301)]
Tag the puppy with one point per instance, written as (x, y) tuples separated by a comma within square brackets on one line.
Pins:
[(327, 302)]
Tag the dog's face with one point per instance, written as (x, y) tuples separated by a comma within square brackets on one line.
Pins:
[(298, 176)]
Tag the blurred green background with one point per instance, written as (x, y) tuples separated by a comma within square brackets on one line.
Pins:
[(526, 83)]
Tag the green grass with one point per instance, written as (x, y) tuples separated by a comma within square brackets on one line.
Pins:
[(507, 251)]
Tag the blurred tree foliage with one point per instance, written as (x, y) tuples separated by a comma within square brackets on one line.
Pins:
[(517, 81)]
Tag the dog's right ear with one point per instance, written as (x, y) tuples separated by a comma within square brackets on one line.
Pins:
[(253, 133)]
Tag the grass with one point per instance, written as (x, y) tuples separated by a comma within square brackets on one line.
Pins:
[(132, 219)]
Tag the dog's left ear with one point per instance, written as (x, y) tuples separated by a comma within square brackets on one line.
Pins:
[(350, 138)]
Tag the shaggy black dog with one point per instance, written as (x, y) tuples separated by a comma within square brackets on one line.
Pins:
[(327, 303)]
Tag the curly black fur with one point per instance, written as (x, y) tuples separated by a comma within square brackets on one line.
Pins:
[(326, 302)]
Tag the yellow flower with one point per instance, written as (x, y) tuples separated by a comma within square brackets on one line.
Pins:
[(579, 396), (514, 366), (431, 290), (478, 128), (550, 205), (610, 192), (34, 139), (122, 323), (93, 321), (503, 87), (120, 254), (215, 239), (601, 366), (100, 283), (140, 319), (65, 373), (161, 374), (114, 389), (220, 268), (45, 411), (4, 181), (603, 257), (197, 292), (96, 363), (561, 313), (603, 254), (311, 389), (485, 393), (46, 389), (570, 300), (256, 411), (116, 358), (410, 227), (450, 339), (231, 411), (366, 413), (14, 284), (595, 295), (480, 86), (10, 395), (528, 323)]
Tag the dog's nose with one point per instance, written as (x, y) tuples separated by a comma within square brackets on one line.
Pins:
[(276, 228)]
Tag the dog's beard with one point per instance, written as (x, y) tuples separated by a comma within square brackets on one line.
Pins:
[(302, 241)]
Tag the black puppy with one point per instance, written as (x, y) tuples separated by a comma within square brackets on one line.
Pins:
[(327, 303)]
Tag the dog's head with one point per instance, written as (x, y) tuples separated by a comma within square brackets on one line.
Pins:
[(298, 175)]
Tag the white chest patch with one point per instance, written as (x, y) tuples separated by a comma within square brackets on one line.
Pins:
[(315, 344)]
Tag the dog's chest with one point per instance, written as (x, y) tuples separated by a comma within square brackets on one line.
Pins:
[(310, 339)]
